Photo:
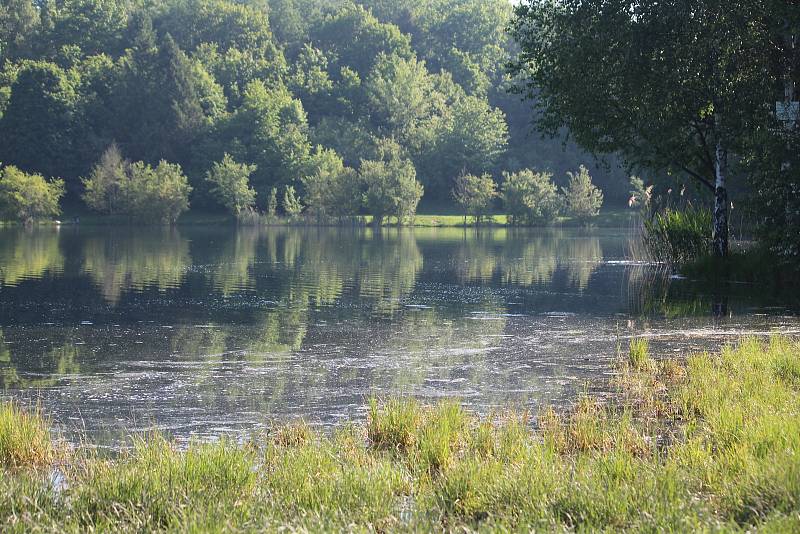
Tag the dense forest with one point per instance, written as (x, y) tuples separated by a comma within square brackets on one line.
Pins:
[(286, 88)]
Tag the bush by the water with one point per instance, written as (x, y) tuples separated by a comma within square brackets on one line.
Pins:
[(474, 195), (530, 197), (390, 180), (704, 443), (292, 206), (582, 199), (676, 237), (231, 185), (332, 190), (28, 197), (137, 190)]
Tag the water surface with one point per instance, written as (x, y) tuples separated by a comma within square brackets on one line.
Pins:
[(201, 331)]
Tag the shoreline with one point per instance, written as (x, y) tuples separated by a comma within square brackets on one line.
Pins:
[(608, 219)]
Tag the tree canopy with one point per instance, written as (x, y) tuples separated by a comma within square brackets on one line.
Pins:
[(265, 82), (671, 86)]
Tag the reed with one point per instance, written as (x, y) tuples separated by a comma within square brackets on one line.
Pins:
[(676, 237)]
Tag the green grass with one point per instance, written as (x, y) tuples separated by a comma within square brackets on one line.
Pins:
[(606, 219), (709, 442), (25, 439), (676, 237)]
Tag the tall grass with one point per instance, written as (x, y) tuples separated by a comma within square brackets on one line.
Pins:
[(25, 439), (678, 236), (709, 442)]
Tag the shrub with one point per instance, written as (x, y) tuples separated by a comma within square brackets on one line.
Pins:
[(391, 185), (332, 190), (272, 202), (641, 195), (291, 204), (530, 197), (676, 237), (158, 194), (474, 194), (582, 198), (106, 188), (137, 190), (27, 197), (231, 184), (25, 439)]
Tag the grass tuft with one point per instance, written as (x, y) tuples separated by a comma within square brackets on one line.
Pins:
[(294, 434), (25, 439), (393, 424), (639, 358)]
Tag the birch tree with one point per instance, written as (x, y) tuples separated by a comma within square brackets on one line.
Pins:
[(666, 85)]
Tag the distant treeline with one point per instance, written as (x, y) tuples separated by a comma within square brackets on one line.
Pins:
[(289, 89)]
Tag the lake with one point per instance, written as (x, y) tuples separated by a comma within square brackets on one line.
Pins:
[(203, 331)]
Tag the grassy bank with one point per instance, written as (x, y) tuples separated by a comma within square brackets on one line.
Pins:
[(607, 219), (708, 443)]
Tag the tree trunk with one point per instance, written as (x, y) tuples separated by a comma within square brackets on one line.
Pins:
[(720, 219)]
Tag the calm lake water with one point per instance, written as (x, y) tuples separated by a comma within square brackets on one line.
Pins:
[(201, 331)]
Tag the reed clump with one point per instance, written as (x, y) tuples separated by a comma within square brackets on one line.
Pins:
[(25, 439), (677, 237), (707, 442)]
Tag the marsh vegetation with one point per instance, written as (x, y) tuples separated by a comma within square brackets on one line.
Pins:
[(706, 442)]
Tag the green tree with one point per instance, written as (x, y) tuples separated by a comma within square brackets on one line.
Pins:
[(27, 197), (231, 184), (773, 164), (332, 190), (19, 22), (158, 194), (356, 38), (474, 194), (470, 135), (530, 197), (669, 86), (106, 187), (272, 202), (391, 184), (292, 206), (93, 26), (162, 102), (40, 126), (582, 198), (401, 94), (270, 129)]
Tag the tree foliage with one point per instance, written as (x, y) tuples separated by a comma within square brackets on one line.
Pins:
[(474, 194), (27, 197), (391, 184), (231, 184), (582, 199), (188, 81), (106, 188), (137, 190), (530, 197), (332, 190), (292, 206), (669, 86)]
